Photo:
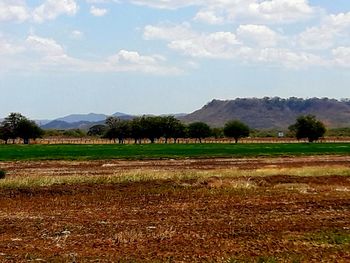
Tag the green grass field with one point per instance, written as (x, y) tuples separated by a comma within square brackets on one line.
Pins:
[(157, 151)]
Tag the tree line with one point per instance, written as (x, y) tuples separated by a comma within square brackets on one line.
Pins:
[(155, 127), (167, 127), (18, 126)]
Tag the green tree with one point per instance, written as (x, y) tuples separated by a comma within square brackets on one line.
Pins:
[(27, 130), (152, 127), (179, 131), (97, 130), (117, 129), (136, 130), (18, 126), (171, 128), (5, 134), (217, 133), (308, 127), (236, 129), (10, 125), (199, 130)]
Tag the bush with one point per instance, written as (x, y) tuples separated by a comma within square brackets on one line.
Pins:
[(2, 174)]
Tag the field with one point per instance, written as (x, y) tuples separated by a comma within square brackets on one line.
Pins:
[(156, 151), (248, 209)]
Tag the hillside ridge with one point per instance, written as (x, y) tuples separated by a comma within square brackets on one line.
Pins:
[(272, 112)]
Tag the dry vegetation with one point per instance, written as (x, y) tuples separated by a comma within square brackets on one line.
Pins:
[(217, 210)]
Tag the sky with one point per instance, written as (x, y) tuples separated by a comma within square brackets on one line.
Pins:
[(59, 57)]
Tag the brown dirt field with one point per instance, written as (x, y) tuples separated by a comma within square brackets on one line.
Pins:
[(276, 219), (106, 167)]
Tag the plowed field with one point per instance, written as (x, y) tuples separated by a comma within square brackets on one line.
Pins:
[(290, 216)]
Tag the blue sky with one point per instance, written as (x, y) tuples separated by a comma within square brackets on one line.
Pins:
[(167, 56)]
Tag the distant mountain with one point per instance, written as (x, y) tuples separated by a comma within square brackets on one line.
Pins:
[(81, 121), (63, 125), (123, 116), (272, 112), (120, 114), (176, 115), (179, 115), (91, 117), (42, 122)]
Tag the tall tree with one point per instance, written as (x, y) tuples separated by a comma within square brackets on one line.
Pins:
[(199, 130), (117, 129), (308, 127), (27, 130), (97, 130), (179, 131), (10, 125), (5, 134), (136, 130), (236, 129), (152, 127), (171, 128), (217, 133)]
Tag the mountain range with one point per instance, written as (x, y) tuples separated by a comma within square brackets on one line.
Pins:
[(274, 112), (82, 121), (264, 113)]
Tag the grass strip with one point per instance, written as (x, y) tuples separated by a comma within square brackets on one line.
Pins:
[(164, 151)]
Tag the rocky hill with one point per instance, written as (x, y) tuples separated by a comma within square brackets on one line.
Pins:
[(272, 112)]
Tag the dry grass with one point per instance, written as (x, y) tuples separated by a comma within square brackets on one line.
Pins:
[(212, 178), (157, 233)]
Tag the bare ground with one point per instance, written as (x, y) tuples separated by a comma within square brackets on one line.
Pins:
[(275, 218)]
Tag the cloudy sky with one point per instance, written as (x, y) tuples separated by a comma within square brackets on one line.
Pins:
[(167, 56)]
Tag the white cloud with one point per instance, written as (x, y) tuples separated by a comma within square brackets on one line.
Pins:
[(76, 34), (281, 11), (18, 10), (95, 11), (45, 46), (132, 61), (8, 48), (253, 44), (333, 29), (219, 11), (132, 57), (102, 1), (284, 57), (214, 45), (13, 10), (342, 56), (51, 9), (183, 39), (167, 4), (209, 17), (45, 54), (169, 32), (257, 35)]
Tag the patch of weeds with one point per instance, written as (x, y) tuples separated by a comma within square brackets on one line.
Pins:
[(232, 260), (266, 260), (331, 237), (261, 259), (2, 174)]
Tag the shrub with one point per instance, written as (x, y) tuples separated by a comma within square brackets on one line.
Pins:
[(2, 174)]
